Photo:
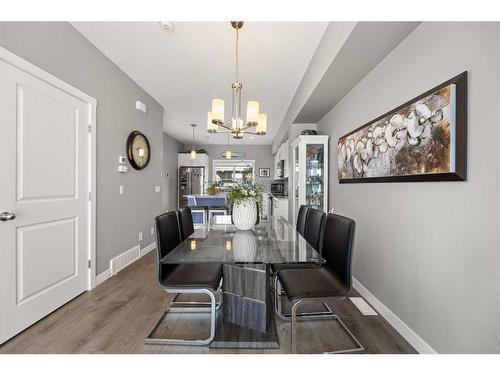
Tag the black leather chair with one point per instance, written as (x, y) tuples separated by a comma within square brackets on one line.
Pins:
[(311, 222), (183, 278), (186, 227), (314, 228), (332, 280), (301, 220)]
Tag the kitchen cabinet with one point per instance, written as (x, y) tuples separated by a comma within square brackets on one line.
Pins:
[(282, 154), (280, 207), (286, 156), (310, 172)]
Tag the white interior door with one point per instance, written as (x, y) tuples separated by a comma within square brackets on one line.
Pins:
[(44, 174)]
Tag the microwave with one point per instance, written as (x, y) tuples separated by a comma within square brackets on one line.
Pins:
[(279, 188)]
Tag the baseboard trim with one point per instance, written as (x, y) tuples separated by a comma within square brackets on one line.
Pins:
[(132, 254), (148, 248), (103, 277), (409, 335)]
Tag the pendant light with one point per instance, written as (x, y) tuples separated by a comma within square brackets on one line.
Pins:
[(193, 151), (256, 122), (228, 152)]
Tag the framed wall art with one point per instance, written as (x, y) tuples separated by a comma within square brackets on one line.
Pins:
[(424, 139), (264, 172)]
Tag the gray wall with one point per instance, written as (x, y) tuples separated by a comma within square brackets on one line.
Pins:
[(331, 42), (171, 147), (260, 153), (430, 251), (62, 51)]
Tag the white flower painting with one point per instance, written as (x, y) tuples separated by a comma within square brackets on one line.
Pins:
[(417, 139)]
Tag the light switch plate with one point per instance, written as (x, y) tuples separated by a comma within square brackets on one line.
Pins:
[(140, 106), (122, 169), (122, 160), (140, 236), (122, 190), (157, 189), (152, 230)]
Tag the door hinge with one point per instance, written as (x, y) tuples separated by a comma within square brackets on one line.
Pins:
[(89, 264), (90, 128), (90, 195)]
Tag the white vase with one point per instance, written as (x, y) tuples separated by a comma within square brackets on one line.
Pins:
[(245, 214)]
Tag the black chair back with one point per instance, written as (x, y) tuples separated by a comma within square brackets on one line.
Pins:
[(186, 227), (337, 247), (315, 227), (167, 239), (301, 220)]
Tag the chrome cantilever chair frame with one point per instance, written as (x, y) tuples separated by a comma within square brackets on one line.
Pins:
[(292, 318), (214, 307), (286, 315)]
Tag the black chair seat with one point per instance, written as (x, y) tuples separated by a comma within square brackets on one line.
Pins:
[(194, 276), (298, 266), (311, 283)]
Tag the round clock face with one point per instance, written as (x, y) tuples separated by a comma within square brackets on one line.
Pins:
[(138, 150)]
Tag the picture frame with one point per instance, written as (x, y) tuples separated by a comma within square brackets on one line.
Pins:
[(265, 172), (443, 146)]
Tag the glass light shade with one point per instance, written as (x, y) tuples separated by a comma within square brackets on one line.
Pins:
[(237, 124), (228, 245), (218, 109), (193, 244), (252, 111), (211, 127), (228, 154), (261, 124), (193, 154)]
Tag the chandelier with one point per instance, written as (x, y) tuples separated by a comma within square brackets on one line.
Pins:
[(256, 123)]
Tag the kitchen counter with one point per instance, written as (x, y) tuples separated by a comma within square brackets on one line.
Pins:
[(217, 196)]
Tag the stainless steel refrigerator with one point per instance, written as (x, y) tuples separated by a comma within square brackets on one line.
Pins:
[(191, 182)]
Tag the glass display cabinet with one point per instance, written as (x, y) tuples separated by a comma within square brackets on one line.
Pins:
[(310, 172)]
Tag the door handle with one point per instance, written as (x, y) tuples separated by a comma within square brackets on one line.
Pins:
[(4, 216)]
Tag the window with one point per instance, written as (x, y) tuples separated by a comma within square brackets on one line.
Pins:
[(227, 173)]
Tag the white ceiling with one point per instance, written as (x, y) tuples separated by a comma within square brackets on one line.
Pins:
[(186, 68)]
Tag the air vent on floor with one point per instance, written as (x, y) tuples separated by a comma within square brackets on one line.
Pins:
[(363, 306), (123, 260)]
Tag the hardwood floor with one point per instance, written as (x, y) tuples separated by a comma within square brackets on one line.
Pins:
[(116, 316)]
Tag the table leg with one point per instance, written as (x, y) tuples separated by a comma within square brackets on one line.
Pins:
[(246, 319)]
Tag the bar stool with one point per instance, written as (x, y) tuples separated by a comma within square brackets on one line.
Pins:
[(197, 211), (216, 210)]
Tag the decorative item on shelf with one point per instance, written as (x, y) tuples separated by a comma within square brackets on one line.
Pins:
[(138, 150), (237, 127), (245, 199), (264, 172), (309, 132), (424, 139)]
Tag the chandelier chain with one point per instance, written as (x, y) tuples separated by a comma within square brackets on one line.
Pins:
[(237, 54)]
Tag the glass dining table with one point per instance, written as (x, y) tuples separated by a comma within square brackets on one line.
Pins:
[(246, 318)]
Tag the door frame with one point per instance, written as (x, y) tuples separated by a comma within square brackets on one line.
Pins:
[(27, 67)]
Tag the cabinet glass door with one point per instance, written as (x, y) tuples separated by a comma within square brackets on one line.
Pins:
[(315, 184)]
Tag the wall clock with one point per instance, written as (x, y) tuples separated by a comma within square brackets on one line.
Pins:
[(138, 150)]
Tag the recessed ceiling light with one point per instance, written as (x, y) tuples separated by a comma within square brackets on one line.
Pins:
[(166, 25)]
